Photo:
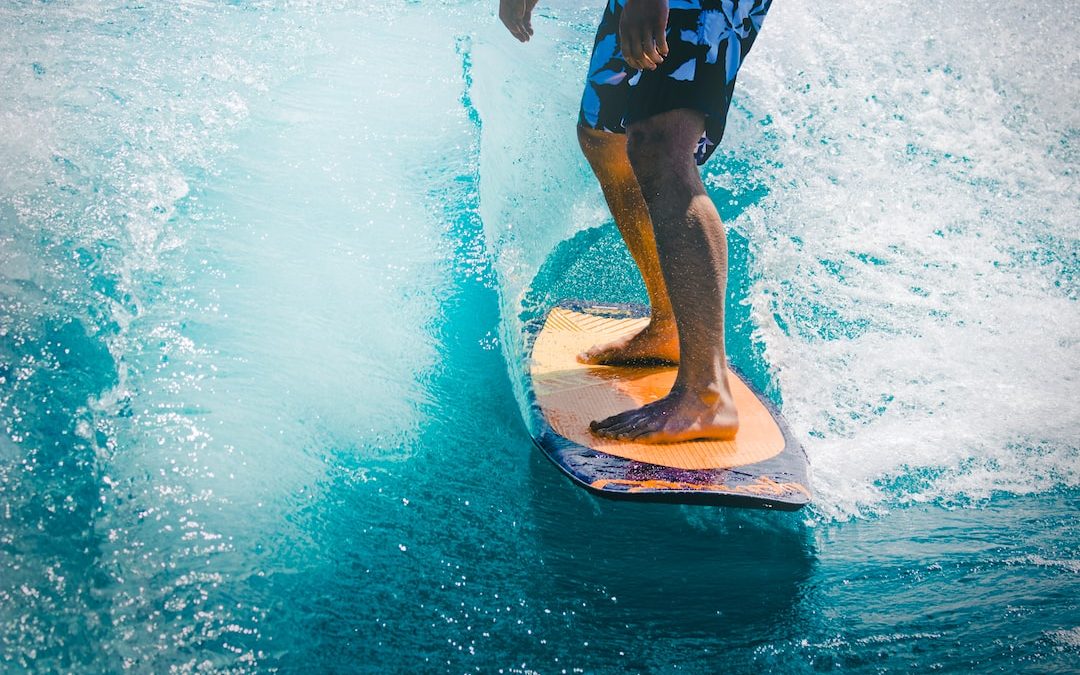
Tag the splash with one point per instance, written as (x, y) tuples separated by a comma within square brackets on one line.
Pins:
[(912, 234), (213, 273), (917, 252)]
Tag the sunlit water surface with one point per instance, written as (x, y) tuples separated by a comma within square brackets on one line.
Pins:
[(263, 271)]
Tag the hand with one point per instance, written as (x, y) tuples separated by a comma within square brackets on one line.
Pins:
[(642, 29), (516, 15)]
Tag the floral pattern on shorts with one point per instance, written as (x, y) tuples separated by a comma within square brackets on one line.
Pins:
[(707, 41)]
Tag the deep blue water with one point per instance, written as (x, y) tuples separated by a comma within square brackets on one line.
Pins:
[(263, 269)]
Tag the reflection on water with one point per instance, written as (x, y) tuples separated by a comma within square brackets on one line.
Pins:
[(658, 576)]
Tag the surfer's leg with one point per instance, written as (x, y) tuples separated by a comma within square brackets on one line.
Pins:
[(658, 341), (693, 257), (603, 140)]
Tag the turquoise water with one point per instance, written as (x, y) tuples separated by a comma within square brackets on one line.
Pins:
[(263, 268)]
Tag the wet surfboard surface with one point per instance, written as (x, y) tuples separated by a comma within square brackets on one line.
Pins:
[(763, 466)]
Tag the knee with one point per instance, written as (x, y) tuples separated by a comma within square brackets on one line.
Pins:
[(662, 166), (661, 147), (650, 153)]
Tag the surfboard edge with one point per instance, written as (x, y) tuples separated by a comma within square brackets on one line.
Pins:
[(764, 485)]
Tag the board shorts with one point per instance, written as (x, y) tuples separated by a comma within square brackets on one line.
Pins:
[(707, 42)]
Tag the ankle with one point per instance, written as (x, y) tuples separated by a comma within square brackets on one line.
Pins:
[(709, 388)]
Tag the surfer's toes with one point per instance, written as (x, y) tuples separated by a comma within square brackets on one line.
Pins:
[(616, 426), (656, 344), (670, 420)]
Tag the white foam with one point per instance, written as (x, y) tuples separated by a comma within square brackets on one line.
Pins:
[(920, 217), (215, 195), (1067, 638), (915, 256)]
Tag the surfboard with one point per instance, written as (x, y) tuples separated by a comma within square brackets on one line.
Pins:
[(763, 466)]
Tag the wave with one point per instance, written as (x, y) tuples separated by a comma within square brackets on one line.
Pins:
[(911, 227), (230, 234)]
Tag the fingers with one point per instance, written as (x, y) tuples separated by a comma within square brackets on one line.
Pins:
[(516, 29), (639, 48), (527, 19), (661, 40), (513, 15), (650, 51), (632, 45)]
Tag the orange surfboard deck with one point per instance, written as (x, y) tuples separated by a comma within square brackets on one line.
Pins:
[(762, 466)]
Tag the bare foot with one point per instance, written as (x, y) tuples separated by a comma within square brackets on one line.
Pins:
[(656, 343), (682, 415)]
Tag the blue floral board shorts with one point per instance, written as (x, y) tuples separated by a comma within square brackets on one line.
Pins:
[(707, 42)]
